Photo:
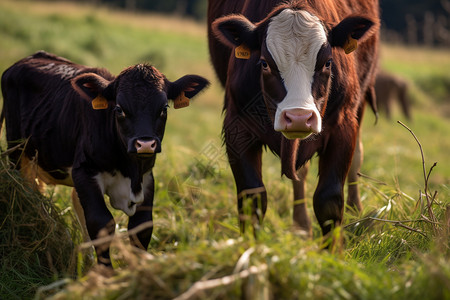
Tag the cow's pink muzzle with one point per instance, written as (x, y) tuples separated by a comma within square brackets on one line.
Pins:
[(299, 123)]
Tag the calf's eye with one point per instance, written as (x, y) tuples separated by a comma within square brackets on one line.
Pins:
[(328, 63), (119, 112), (164, 112)]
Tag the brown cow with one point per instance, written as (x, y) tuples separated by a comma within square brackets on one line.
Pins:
[(389, 88), (293, 83)]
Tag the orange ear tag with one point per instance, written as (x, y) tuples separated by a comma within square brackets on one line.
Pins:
[(181, 101), (242, 52), (350, 45), (99, 102)]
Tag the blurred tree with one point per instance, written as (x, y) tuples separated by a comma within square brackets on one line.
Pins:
[(409, 21), (416, 21), (191, 8)]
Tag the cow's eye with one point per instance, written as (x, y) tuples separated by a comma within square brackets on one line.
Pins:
[(264, 64), (164, 112), (328, 63), (119, 112)]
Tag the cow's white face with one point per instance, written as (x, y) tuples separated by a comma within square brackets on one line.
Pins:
[(295, 53), (294, 39)]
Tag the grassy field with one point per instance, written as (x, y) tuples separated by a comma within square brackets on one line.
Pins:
[(196, 251)]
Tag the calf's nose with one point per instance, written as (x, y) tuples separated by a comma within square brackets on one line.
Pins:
[(146, 147)]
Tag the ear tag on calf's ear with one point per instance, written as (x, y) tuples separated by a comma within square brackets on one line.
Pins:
[(99, 102), (242, 52), (350, 45), (181, 101)]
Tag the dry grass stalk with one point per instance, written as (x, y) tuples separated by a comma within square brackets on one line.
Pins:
[(109, 238), (426, 178), (36, 238), (200, 287)]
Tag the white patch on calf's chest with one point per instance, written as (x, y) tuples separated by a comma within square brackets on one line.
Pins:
[(119, 190)]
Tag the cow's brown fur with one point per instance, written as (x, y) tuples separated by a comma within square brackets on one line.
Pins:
[(390, 88), (352, 86)]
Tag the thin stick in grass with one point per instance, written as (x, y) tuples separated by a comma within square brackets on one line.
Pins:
[(425, 177)]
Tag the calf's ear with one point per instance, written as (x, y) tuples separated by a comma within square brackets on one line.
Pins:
[(90, 85), (235, 30), (190, 85), (352, 29)]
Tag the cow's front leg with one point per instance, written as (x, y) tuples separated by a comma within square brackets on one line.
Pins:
[(301, 218), (99, 221), (143, 216), (251, 193), (353, 198), (334, 163)]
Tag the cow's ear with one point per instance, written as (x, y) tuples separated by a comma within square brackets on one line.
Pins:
[(190, 85), (235, 30), (90, 85), (352, 29)]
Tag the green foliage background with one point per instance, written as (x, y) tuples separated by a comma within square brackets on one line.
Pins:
[(196, 237)]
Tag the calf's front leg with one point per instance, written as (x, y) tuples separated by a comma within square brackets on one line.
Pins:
[(143, 216), (99, 221)]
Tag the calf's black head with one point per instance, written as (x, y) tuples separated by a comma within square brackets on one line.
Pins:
[(140, 97)]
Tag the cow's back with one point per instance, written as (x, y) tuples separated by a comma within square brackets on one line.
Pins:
[(41, 106), (220, 54)]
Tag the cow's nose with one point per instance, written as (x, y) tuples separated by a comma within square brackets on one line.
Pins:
[(300, 120), (146, 147)]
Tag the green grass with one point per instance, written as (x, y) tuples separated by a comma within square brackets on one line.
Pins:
[(196, 236)]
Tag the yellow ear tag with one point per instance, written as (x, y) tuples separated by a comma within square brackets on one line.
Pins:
[(242, 52), (99, 102), (350, 45), (181, 101)]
